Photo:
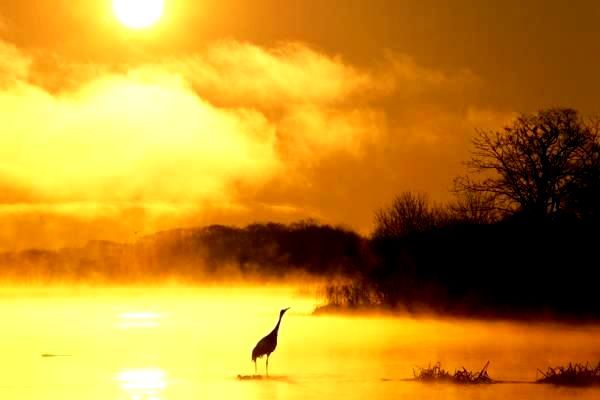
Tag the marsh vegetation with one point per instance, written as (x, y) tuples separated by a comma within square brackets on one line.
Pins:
[(571, 375), (461, 376)]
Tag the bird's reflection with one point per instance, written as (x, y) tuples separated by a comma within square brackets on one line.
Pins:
[(143, 384)]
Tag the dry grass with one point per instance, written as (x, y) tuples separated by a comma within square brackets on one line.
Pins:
[(462, 376), (572, 375)]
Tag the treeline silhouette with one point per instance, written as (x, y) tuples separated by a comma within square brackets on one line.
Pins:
[(520, 238), (217, 252)]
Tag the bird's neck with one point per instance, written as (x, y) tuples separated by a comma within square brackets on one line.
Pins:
[(276, 330)]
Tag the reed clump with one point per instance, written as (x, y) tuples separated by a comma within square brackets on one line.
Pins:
[(462, 376), (571, 375), (250, 377)]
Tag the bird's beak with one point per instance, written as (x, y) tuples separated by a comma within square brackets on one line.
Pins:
[(285, 309)]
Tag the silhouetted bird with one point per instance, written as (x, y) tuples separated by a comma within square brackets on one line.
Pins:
[(268, 344)]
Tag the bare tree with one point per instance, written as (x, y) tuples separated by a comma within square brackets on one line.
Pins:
[(474, 208), (408, 213), (532, 165), (584, 199)]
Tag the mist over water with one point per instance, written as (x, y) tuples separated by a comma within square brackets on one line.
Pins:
[(182, 343)]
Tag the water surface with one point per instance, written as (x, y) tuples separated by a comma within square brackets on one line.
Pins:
[(180, 343)]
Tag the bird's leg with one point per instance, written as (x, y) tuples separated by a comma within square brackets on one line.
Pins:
[(267, 366), (255, 368)]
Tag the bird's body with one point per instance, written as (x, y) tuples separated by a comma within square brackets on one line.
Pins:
[(268, 344), (265, 346)]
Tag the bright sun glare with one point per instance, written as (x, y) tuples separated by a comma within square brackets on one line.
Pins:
[(138, 14)]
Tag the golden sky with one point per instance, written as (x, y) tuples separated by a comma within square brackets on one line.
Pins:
[(241, 111)]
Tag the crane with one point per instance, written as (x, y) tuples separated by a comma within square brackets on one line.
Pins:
[(268, 344)]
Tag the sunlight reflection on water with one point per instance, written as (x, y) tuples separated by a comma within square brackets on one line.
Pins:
[(139, 320), (143, 384)]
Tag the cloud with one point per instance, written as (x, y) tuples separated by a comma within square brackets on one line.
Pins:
[(409, 78), (120, 138), (3, 24), (234, 134), (14, 65), (243, 74)]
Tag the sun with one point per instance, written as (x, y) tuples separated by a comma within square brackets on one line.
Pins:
[(138, 14)]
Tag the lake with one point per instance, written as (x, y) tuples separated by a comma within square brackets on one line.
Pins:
[(191, 343)]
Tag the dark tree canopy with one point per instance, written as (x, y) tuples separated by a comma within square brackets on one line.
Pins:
[(409, 213), (536, 165), (473, 208)]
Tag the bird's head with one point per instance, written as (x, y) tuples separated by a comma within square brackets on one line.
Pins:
[(283, 311)]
